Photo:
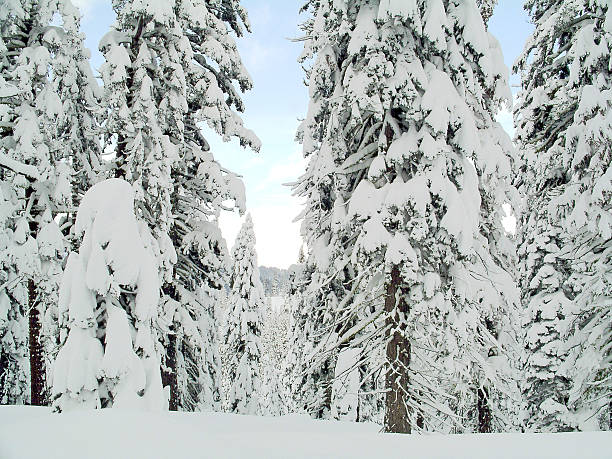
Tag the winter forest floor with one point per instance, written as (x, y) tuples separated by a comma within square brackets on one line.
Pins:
[(27, 432)]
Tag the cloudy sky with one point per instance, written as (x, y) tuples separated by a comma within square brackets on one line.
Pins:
[(273, 109)]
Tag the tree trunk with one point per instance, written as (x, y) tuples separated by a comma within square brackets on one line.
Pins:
[(397, 413), (37, 365), (484, 411), (169, 376)]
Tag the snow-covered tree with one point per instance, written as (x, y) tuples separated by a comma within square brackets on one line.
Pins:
[(44, 61), (405, 187), (14, 362), (244, 325), (275, 347), (486, 9), (566, 228), (170, 67), (108, 301)]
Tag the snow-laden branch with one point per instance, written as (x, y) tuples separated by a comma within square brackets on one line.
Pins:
[(19, 168)]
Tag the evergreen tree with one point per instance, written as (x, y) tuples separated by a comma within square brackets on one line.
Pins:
[(328, 276), (170, 67), (244, 325), (71, 127), (565, 231), (41, 119), (108, 301), (411, 172), (275, 347), (486, 9), (14, 367)]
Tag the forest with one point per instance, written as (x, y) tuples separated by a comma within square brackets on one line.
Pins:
[(413, 307)]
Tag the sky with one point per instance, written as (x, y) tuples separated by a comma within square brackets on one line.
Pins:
[(278, 100)]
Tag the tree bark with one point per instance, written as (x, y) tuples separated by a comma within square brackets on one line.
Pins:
[(484, 411), (169, 376), (37, 365), (397, 413)]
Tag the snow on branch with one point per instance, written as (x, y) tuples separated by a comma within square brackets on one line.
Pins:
[(19, 168)]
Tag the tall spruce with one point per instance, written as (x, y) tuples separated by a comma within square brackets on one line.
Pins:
[(43, 59), (170, 68), (409, 172), (566, 229), (275, 348), (244, 325)]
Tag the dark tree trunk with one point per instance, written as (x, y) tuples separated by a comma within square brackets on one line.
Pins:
[(420, 420), (169, 376), (397, 413), (37, 365), (485, 417), (329, 375), (484, 411)]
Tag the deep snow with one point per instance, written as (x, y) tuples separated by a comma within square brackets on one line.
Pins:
[(27, 432)]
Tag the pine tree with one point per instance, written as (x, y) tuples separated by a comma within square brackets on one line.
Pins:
[(565, 232), (205, 188), (275, 347), (244, 325), (328, 276), (39, 156), (169, 68), (108, 301), (486, 9), (14, 368), (411, 172), (70, 121)]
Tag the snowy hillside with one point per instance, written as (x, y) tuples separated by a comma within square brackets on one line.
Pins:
[(183, 435)]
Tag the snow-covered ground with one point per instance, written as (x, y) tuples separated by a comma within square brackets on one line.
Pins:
[(27, 432)]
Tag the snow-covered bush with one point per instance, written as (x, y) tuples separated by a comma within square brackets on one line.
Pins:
[(108, 302)]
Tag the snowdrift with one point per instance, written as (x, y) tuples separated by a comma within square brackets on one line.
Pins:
[(27, 432)]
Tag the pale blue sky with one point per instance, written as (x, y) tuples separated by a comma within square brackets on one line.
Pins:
[(274, 106)]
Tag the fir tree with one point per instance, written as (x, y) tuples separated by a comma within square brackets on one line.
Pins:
[(244, 325), (108, 301), (486, 9), (40, 121), (410, 193), (566, 226), (169, 68), (275, 347)]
